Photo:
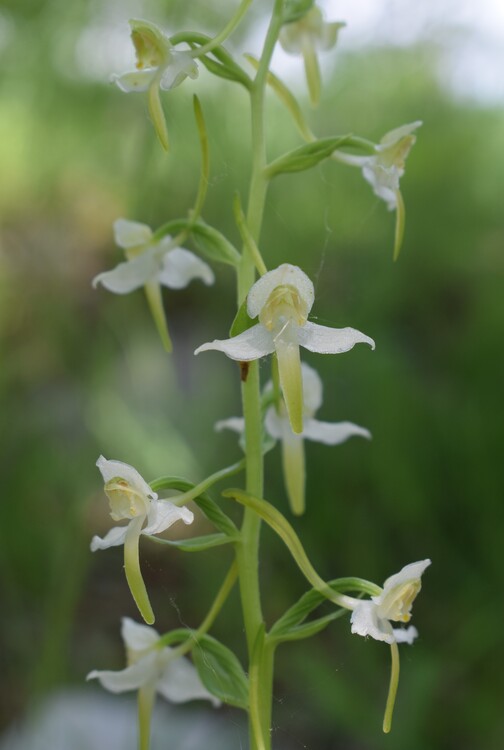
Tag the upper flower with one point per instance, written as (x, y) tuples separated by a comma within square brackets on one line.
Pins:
[(152, 669), (132, 499), (151, 264), (282, 300), (159, 65), (307, 36), (373, 617), (278, 426)]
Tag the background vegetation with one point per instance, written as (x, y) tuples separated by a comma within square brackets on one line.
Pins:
[(82, 374)]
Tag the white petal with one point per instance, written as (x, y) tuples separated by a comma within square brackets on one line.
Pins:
[(365, 621), (131, 233), (411, 572), (143, 671), (138, 637), (384, 181), (394, 136), (132, 274), (180, 266), (275, 424), (312, 389), (284, 275), (326, 340), (405, 635), (253, 343), (136, 80), (163, 514), (332, 433), (180, 66), (236, 424), (180, 682), (329, 35), (114, 469), (112, 538)]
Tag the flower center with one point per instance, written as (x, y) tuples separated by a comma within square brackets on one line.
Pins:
[(396, 604), (125, 501), (395, 155), (150, 50), (283, 306)]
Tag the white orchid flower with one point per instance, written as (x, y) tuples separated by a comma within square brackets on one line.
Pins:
[(282, 299), (373, 617), (384, 169), (152, 668), (293, 455), (307, 36), (159, 65), (152, 264), (132, 499)]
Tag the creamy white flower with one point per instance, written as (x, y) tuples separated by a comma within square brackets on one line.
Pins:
[(384, 169), (176, 679), (278, 427), (159, 65), (132, 499), (152, 668), (373, 617), (152, 264), (282, 300), (307, 36)]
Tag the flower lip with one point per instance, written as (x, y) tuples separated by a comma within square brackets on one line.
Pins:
[(287, 276)]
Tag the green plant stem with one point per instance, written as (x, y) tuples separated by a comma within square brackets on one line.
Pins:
[(209, 620), (247, 551), (198, 489), (226, 31)]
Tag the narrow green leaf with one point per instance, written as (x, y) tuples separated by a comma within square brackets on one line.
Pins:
[(307, 156), (310, 628), (213, 244), (242, 321), (220, 671), (205, 159), (196, 543), (209, 241)]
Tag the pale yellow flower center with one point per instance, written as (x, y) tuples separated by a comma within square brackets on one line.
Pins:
[(283, 306), (125, 501), (395, 155), (396, 604), (150, 51)]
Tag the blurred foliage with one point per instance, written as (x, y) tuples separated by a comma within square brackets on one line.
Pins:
[(83, 374)]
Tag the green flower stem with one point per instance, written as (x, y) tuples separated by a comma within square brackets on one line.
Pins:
[(247, 551), (226, 31), (394, 682), (209, 620), (198, 489), (282, 527)]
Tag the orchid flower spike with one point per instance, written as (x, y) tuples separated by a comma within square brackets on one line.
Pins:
[(282, 299), (384, 169), (307, 36), (373, 617), (152, 669), (159, 65), (293, 455), (152, 264), (132, 499)]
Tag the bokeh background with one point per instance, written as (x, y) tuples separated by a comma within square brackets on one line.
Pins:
[(82, 371)]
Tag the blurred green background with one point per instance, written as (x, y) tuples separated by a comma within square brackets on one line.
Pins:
[(83, 373)]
